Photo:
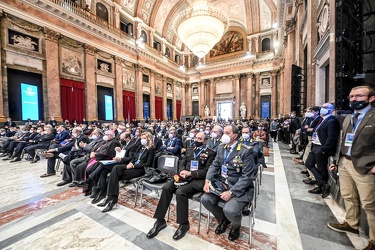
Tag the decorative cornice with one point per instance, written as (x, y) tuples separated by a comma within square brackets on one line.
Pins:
[(89, 49)]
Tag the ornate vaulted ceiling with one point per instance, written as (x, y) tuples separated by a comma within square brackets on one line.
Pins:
[(252, 16)]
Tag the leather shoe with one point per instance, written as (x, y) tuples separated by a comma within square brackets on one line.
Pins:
[(102, 194), (47, 175), (181, 231), (16, 159), (73, 184), (326, 190), (63, 183), (83, 184), (304, 172), (109, 206), (316, 190), (8, 158), (158, 226), (222, 227), (104, 202), (234, 234), (309, 181)]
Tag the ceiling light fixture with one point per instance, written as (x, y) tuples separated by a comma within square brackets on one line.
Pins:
[(200, 27)]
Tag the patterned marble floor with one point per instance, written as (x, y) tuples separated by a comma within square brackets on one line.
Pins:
[(36, 214)]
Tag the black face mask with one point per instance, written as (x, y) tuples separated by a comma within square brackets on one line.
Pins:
[(357, 105), (198, 144), (123, 142)]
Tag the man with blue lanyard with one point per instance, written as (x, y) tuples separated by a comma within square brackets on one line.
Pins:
[(192, 169), (234, 166), (356, 164), (324, 143)]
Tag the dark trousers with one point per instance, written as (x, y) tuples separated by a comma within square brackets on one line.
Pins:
[(321, 160), (31, 149), (183, 193), (99, 176), (20, 147), (118, 173), (232, 209), (73, 165), (12, 145), (273, 135), (51, 161)]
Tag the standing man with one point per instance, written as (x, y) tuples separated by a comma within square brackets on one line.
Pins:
[(193, 169), (294, 126), (356, 164), (234, 166), (324, 144)]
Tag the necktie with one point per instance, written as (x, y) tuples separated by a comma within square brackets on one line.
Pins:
[(344, 149)]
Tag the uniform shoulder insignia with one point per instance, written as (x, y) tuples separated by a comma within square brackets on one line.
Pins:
[(246, 146), (210, 149)]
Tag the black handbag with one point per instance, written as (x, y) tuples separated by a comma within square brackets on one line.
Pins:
[(156, 176)]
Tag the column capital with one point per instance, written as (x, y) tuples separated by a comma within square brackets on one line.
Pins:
[(274, 72), (249, 74), (51, 35), (118, 60), (89, 49), (237, 76), (257, 75)]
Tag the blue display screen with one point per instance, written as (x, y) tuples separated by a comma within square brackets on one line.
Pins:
[(108, 102), (29, 99)]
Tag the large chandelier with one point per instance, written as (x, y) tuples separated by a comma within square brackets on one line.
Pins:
[(201, 27)]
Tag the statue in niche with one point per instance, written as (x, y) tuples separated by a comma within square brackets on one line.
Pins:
[(243, 111), (71, 64), (169, 87), (25, 42), (104, 67), (195, 90), (266, 81), (206, 111), (158, 88)]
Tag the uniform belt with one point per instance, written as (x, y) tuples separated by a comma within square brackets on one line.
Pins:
[(347, 157)]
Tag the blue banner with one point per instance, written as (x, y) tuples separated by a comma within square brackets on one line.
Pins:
[(29, 99), (108, 102), (265, 110), (146, 110), (169, 112)]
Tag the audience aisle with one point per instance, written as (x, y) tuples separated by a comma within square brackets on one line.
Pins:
[(36, 214)]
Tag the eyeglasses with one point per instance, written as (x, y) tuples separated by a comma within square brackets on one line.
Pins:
[(356, 96)]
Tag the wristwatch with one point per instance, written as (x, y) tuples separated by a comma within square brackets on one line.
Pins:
[(231, 194)]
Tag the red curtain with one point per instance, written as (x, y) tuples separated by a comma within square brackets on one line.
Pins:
[(128, 99), (72, 100), (158, 108), (178, 110)]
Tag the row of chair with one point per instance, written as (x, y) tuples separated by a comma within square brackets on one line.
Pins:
[(140, 184)]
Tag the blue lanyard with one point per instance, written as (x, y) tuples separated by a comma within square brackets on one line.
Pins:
[(191, 143), (314, 120), (140, 154), (170, 142), (320, 124), (227, 156), (196, 155)]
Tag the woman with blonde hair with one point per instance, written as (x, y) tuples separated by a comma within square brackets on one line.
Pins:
[(143, 159)]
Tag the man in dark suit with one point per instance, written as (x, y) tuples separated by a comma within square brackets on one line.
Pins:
[(215, 140), (9, 123), (43, 142), (193, 168), (324, 144), (234, 165), (172, 144), (73, 146), (356, 164), (293, 127)]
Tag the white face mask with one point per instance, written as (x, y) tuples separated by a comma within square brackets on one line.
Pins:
[(144, 142), (74, 135), (246, 136), (170, 136), (259, 128), (324, 111), (105, 138), (38, 131), (206, 132), (309, 114), (225, 139), (213, 135), (201, 130), (191, 135)]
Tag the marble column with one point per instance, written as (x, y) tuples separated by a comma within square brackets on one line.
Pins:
[(139, 93), (118, 89), (3, 73), (212, 97), (52, 74), (174, 115), (274, 94), (237, 96), (280, 89), (183, 99), (290, 48), (152, 95), (164, 91), (257, 97), (90, 88), (202, 103), (249, 94), (188, 98)]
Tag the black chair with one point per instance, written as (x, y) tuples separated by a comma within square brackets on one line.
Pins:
[(167, 164)]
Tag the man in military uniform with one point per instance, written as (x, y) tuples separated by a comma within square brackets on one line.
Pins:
[(234, 166), (192, 171), (215, 139)]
